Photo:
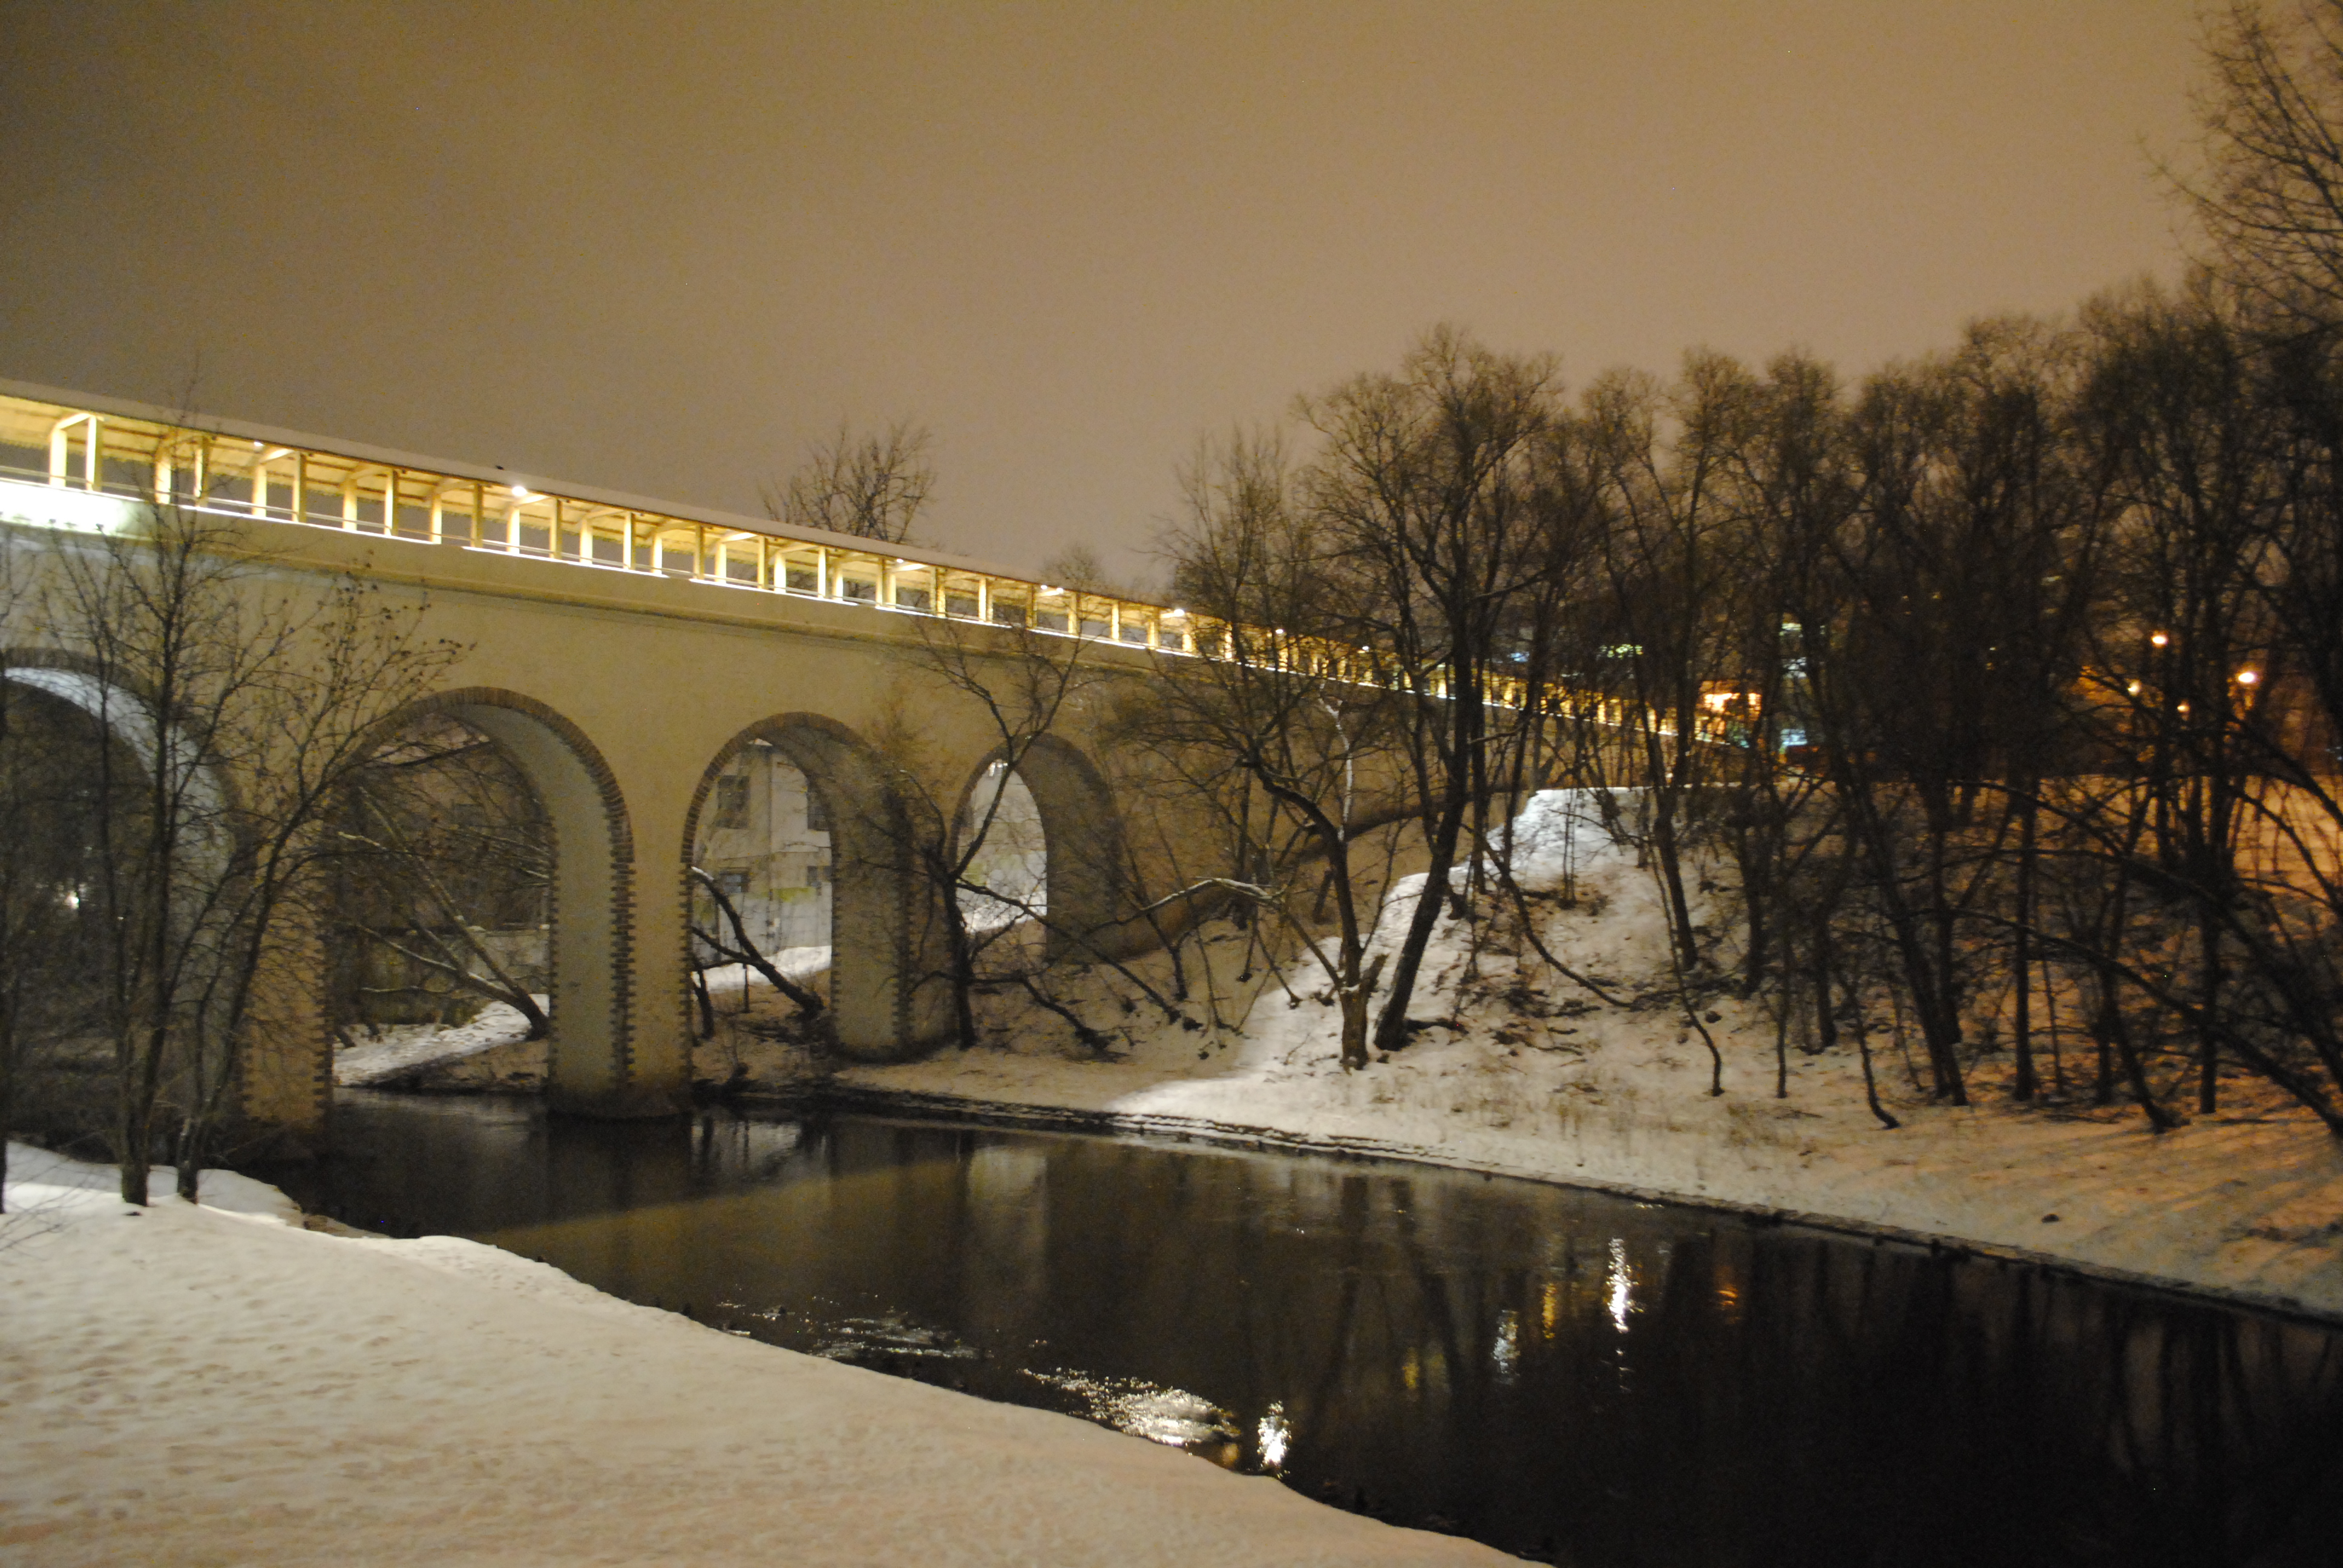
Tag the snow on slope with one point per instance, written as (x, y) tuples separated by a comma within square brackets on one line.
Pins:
[(1532, 1076), (192, 1385)]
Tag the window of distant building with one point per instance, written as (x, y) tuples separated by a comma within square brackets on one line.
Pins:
[(731, 802)]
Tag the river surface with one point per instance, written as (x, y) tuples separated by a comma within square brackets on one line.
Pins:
[(1574, 1377)]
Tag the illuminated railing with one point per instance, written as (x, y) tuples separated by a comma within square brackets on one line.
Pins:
[(147, 460)]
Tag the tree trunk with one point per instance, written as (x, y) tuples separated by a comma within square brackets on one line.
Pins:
[(2021, 1025), (1391, 1027), (1354, 997)]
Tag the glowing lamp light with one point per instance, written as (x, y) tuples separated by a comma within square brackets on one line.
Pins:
[(521, 492), (2159, 638), (1276, 1437), (2247, 676), (2133, 687)]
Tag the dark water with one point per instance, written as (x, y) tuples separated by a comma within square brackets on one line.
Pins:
[(1574, 1377)]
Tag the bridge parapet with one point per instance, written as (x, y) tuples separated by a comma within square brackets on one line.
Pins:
[(134, 452)]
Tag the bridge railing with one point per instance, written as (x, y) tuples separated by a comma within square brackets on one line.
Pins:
[(148, 460), (142, 461)]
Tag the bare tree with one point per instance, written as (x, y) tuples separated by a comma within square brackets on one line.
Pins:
[(239, 700), (727, 941), (2269, 187), (1672, 569), (871, 485), (1286, 711), (1428, 490), (993, 922)]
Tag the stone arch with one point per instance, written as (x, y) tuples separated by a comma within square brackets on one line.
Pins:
[(82, 683), (280, 1057), (593, 1068), (887, 998), (1088, 870)]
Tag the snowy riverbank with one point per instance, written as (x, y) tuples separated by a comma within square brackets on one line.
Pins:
[(1528, 1075), (200, 1385)]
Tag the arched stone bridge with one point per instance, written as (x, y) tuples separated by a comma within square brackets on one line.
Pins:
[(620, 652)]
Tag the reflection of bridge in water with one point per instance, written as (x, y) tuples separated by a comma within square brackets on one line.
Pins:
[(671, 683)]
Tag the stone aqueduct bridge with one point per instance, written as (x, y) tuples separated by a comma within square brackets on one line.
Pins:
[(620, 652)]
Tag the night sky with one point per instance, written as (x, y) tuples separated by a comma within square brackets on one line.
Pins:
[(658, 249)]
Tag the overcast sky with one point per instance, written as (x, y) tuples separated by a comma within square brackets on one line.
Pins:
[(661, 247)]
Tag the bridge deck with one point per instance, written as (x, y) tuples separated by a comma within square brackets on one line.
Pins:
[(143, 454)]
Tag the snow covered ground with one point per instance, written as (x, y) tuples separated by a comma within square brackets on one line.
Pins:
[(1531, 1076), (213, 1386), (494, 1049), (802, 964), (400, 1050)]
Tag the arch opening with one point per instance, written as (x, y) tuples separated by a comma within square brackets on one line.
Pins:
[(1006, 882), (797, 826), (76, 760), (440, 951), (1060, 841), (761, 892), (521, 817)]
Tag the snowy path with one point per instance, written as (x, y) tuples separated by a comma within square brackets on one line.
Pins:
[(196, 1386)]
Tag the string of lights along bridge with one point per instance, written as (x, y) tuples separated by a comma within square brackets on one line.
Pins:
[(130, 453), (142, 458)]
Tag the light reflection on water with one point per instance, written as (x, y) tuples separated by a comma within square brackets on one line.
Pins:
[(1621, 1296), (1167, 1415), (863, 1339), (1557, 1373)]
